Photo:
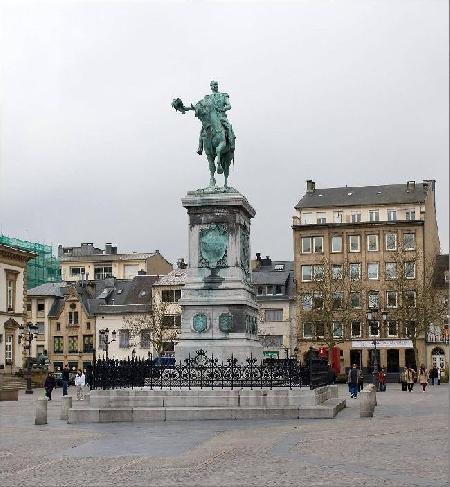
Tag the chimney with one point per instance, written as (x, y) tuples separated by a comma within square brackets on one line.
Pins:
[(258, 256), (429, 182), (60, 250), (267, 261), (181, 264), (410, 185), (108, 248), (114, 250), (310, 186), (142, 273)]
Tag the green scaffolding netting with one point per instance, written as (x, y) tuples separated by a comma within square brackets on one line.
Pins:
[(43, 268)]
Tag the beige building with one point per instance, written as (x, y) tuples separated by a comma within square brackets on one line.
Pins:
[(91, 263), (13, 305), (276, 297), (358, 233)]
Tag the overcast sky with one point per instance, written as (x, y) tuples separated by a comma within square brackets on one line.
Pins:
[(339, 92)]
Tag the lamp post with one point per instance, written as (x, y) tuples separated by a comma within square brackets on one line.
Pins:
[(133, 354), (104, 338), (27, 335), (372, 315)]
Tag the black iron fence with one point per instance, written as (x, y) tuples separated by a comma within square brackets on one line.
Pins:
[(201, 371)]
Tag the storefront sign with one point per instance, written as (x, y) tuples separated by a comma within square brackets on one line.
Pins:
[(382, 344)]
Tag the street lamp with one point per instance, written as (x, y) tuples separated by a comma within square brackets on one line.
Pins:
[(104, 338), (372, 315), (27, 335), (133, 354)]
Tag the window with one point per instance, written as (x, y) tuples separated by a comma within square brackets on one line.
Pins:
[(171, 321), (88, 343), (337, 329), (373, 299), (58, 326), (318, 245), (336, 271), (278, 289), (73, 344), (355, 272), (318, 272), (278, 267), (58, 345), (410, 328), (306, 245), (10, 292), (40, 309), (391, 299), (318, 301), (88, 325), (356, 217), (390, 270), (170, 295), (354, 243), (372, 243), (307, 273), (260, 290), (319, 329), (374, 329), (410, 270), (307, 302), (337, 216), (391, 215), (102, 272), (372, 270), (336, 243), (391, 241), (28, 306), (168, 347), (308, 330), (392, 329), (39, 350), (145, 337), (273, 315), (41, 327), (9, 348), (355, 300), (269, 290), (356, 329), (321, 218), (73, 317), (410, 299), (409, 241), (410, 214), (374, 215), (337, 298), (307, 218), (77, 271), (124, 338)]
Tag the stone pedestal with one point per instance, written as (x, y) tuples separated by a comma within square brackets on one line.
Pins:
[(219, 310), (41, 411), (65, 406)]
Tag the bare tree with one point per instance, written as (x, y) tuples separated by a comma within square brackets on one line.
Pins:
[(412, 299), (330, 299), (152, 329)]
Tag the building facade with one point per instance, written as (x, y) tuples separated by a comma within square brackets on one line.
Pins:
[(276, 297), (13, 305), (356, 244), (87, 262)]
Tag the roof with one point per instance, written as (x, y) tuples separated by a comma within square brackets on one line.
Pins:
[(363, 195), (108, 257), (47, 289), (177, 277), (24, 254), (269, 275)]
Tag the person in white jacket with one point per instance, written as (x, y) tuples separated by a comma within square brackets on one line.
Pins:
[(80, 381)]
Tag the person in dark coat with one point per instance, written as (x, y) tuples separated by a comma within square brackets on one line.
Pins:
[(353, 381), (49, 385), (434, 375), (65, 379)]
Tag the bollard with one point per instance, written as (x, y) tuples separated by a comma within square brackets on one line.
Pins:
[(41, 411), (366, 405), (65, 406), (372, 388)]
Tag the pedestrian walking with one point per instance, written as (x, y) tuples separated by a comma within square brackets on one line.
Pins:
[(49, 385), (65, 379), (80, 381), (353, 381), (423, 377), (382, 380), (403, 376), (439, 372), (360, 380), (410, 373)]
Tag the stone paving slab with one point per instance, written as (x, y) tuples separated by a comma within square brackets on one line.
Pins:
[(385, 450)]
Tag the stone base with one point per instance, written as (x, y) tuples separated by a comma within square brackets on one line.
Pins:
[(239, 348), (200, 404)]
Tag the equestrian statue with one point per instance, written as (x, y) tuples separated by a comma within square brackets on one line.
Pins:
[(216, 136)]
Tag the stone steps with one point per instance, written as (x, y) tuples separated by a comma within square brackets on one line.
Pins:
[(328, 409)]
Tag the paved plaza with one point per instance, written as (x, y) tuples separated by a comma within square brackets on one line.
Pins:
[(404, 444)]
